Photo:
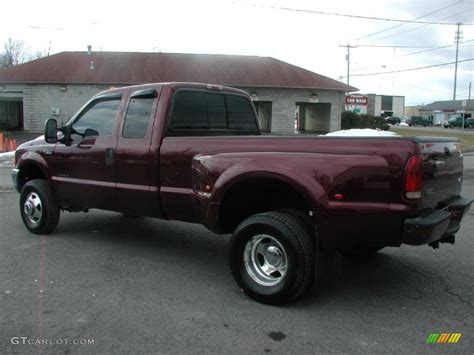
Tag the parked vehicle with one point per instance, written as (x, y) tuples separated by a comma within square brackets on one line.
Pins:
[(193, 152), (457, 122), (393, 120), (421, 121), (406, 121)]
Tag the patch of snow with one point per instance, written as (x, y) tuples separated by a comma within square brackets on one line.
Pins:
[(7, 160), (362, 132), (7, 156)]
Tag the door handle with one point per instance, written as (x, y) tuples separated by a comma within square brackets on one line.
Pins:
[(109, 156)]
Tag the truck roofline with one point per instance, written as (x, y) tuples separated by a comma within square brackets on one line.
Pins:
[(175, 85)]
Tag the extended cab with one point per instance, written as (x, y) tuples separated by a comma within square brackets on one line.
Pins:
[(193, 152)]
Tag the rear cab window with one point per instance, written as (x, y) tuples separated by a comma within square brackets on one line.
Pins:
[(197, 112), (240, 113)]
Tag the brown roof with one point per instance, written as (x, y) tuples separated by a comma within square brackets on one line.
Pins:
[(138, 68), (448, 105)]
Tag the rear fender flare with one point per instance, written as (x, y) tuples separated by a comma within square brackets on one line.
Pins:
[(312, 193)]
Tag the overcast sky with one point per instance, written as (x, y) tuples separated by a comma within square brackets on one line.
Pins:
[(261, 27)]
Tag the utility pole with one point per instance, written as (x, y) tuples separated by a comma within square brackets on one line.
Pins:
[(469, 90), (456, 37), (348, 58)]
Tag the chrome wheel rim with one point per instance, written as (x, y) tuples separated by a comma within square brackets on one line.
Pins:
[(265, 260), (33, 208)]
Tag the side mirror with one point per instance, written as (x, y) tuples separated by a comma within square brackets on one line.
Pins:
[(51, 131), (90, 132)]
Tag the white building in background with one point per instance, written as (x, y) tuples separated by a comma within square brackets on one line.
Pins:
[(376, 105), (386, 105)]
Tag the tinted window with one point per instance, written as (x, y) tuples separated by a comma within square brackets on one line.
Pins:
[(189, 110), (240, 113), (137, 118), (216, 111), (387, 103), (202, 110), (100, 117)]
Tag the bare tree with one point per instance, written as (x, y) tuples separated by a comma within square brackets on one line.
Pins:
[(14, 52), (36, 55)]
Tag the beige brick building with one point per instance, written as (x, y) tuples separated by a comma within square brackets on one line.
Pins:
[(286, 97)]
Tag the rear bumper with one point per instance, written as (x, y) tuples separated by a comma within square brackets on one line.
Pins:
[(436, 225)]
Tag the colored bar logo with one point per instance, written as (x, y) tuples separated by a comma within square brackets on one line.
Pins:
[(443, 338)]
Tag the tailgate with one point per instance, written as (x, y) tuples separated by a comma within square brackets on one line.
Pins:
[(442, 169)]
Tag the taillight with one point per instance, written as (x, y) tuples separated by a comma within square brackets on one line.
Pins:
[(413, 186)]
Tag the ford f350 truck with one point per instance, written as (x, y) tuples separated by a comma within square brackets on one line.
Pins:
[(193, 152)]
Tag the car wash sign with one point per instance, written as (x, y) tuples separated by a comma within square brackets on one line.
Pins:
[(356, 100)]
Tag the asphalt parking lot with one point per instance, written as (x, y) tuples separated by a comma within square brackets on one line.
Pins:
[(142, 285)]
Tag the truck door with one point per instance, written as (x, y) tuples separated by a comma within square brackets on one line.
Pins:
[(133, 160), (84, 171)]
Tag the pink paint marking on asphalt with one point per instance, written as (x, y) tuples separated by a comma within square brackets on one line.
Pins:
[(40, 296)]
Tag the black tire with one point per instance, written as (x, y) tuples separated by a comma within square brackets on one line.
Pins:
[(360, 251), (303, 217), (292, 246), (328, 262), (38, 210)]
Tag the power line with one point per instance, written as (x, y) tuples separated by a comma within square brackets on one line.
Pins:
[(413, 53), (403, 24), (430, 48), (412, 69), (45, 28), (393, 46), (422, 103), (425, 89), (433, 49), (421, 26), (361, 16)]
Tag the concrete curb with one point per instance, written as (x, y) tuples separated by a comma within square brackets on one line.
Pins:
[(7, 188), (10, 164), (6, 183)]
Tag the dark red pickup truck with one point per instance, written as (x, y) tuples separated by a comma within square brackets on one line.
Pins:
[(193, 152)]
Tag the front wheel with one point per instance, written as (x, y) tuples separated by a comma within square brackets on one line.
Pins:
[(39, 212), (272, 257)]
